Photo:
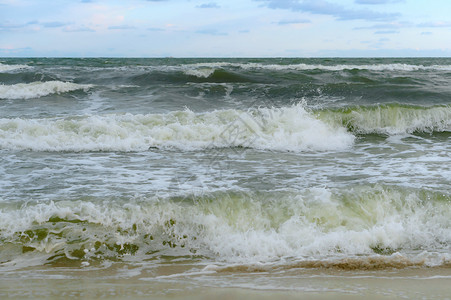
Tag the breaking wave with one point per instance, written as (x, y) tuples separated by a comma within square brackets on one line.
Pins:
[(39, 89), (366, 227), (284, 129), (390, 118), (204, 70), (8, 68), (209, 69)]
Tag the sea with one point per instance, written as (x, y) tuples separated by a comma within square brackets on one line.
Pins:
[(208, 177)]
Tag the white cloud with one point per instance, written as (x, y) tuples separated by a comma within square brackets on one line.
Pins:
[(435, 24), (296, 21), (373, 2), (121, 27), (209, 5), (211, 32), (53, 24), (386, 32), (322, 7)]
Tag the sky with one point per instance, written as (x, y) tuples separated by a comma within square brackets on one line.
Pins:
[(225, 28)]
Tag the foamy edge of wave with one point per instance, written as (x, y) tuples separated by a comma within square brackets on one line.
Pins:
[(202, 72), (280, 129), (207, 69), (391, 119), (8, 68), (39, 89), (364, 262), (303, 66), (315, 228)]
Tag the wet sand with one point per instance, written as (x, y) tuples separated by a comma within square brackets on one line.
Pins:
[(413, 283)]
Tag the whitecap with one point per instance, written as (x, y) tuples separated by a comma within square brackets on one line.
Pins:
[(8, 68), (278, 129), (38, 89)]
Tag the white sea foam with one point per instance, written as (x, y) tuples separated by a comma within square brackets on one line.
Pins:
[(8, 68), (284, 129), (201, 72), (375, 67), (39, 89), (315, 224), (205, 70), (391, 119), (303, 66)]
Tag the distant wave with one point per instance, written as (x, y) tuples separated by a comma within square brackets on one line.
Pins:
[(365, 227), (38, 89), (390, 118), (201, 72), (207, 69), (284, 129), (7, 68), (374, 67)]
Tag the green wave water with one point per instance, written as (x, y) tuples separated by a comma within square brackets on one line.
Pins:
[(390, 118), (309, 225)]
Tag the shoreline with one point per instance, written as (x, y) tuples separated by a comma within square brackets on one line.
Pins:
[(120, 282)]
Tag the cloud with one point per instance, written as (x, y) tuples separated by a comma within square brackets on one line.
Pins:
[(391, 25), (53, 24), (435, 24), (426, 33), (209, 5), (121, 27), (155, 29), (322, 7), (288, 22), (211, 32), (9, 27), (377, 1), (386, 32), (78, 29)]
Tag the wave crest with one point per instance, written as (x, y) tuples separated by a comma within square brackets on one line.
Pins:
[(306, 67), (39, 89), (390, 118), (8, 68), (363, 228), (283, 129)]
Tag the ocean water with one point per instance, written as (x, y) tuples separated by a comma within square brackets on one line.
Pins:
[(227, 173)]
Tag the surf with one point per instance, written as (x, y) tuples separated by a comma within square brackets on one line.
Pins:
[(390, 119), (362, 227), (39, 89), (403, 67), (278, 129), (9, 68)]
